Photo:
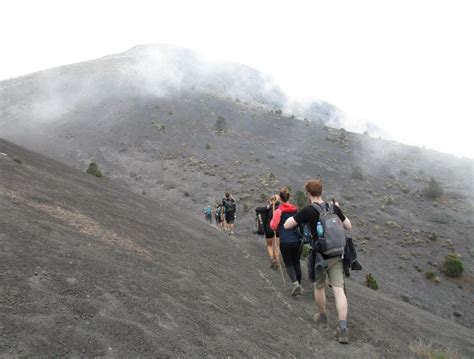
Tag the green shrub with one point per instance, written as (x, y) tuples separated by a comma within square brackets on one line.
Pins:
[(430, 275), (357, 173), (452, 265), (301, 199), (428, 351), (208, 146), (433, 190), (221, 124), (94, 170), (17, 160), (342, 134), (371, 282)]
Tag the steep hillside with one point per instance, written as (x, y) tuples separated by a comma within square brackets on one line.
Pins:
[(163, 142), (89, 269)]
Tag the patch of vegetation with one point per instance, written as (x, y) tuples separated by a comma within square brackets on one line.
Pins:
[(221, 124), (263, 196), (17, 160), (160, 127), (371, 282), (278, 112), (430, 275), (208, 146), (94, 170), (427, 351), (246, 207), (186, 194), (342, 134), (433, 190), (452, 265), (301, 199), (357, 173)]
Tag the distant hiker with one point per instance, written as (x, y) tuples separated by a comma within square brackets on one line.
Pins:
[(219, 213), (208, 214), (289, 241), (229, 207), (272, 237), (330, 222)]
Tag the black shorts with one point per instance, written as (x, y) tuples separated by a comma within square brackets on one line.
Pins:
[(230, 218), (270, 235)]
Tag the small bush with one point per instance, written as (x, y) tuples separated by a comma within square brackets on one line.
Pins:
[(371, 282), (357, 173), (430, 275), (433, 190), (301, 199), (342, 134), (221, 124), (427, 351), (278, 112), (17, 160), (208, 146), (246, 207), (94, 170), (452, 265)]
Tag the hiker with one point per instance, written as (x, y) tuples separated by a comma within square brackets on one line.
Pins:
[(317, 271), (219, 216), (208, 214), (289, 241), (229, 209), (271, 237)]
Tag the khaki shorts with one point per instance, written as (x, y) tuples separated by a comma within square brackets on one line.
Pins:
[(335, 273)]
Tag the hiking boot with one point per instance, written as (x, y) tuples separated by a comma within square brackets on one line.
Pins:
[(342, 334), (321, 319), (296, 289)]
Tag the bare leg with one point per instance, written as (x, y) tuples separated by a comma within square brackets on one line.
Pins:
[(320, 298), (341, 303), (270, 251)]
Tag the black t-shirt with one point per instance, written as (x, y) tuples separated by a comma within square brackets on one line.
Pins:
[(310, 215)]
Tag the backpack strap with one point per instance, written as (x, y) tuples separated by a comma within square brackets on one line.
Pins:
[(320, 208)]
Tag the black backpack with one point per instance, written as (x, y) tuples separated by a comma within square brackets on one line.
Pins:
[(229, 205), (334, 236), (259, 227)]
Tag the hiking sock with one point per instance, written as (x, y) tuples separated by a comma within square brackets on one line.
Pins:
[(342, 324)]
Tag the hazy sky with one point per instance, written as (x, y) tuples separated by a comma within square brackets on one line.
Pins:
[(407, 66)]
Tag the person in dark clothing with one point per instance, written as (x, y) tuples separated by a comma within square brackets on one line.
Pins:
[(272, 237), (334, 270), (289, 241), (228, 203)]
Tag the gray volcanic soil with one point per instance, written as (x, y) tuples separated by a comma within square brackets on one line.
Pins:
[(90, 269), (157, 148)]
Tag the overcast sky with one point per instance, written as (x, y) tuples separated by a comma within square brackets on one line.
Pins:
[(407, 66)]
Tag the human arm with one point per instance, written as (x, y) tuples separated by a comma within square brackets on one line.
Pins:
[(346, 223), (275, 220), (290, 223)]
